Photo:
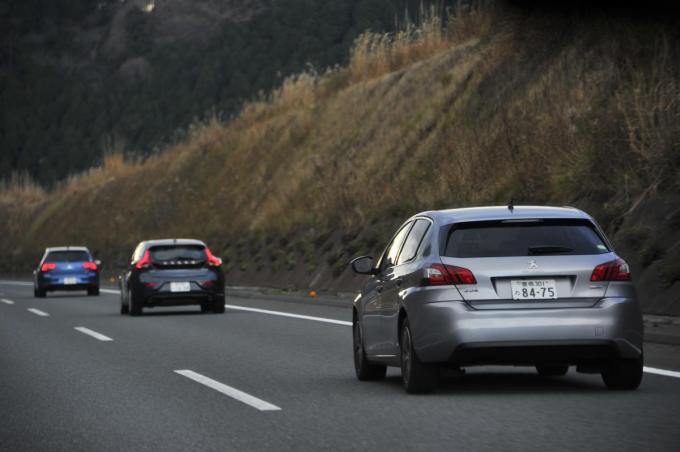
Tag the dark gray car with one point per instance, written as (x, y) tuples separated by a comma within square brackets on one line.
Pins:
[(532, 286)]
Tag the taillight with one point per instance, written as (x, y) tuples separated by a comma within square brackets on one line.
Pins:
[(47, 267), (212, 260), (616, 270), (145, 261), (90, 265), (439, 274)]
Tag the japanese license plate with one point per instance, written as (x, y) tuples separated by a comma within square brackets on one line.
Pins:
[(180, 287), (533, 289)]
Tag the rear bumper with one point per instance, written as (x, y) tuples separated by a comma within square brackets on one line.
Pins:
[(56, 282), (452, 331), (183, 299)]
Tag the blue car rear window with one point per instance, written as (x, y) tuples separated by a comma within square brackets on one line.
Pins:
[(67, 256)]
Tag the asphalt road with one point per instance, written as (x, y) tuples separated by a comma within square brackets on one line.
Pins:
[(176, 379)]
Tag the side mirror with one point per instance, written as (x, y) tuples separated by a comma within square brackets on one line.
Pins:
[(363, 265), (98, 263)]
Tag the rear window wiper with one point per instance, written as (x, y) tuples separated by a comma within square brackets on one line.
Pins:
[(549, 249)]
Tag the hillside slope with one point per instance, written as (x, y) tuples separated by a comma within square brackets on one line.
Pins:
[(542, 109)]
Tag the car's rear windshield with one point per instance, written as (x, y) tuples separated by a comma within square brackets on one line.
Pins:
[(524, 238), (67, 256), (177, 253)]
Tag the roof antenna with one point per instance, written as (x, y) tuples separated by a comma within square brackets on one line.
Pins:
[(511, 205)]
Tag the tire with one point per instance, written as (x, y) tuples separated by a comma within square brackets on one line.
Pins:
[(205, 307), (124, 308), (134, 304), (416, 377), (551, 370), (39, 293), (218, 305), (623, 375), (94, 291), (365, 370)]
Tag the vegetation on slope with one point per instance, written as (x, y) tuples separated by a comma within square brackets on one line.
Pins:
[(550, 109)]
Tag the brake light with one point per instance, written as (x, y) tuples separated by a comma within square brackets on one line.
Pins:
[(616, 270), (461, 275), (47, 267), (90, 265), (212, 260), (145, 261), (439, 274)]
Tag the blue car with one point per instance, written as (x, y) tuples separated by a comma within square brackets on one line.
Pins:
[(66, 268)]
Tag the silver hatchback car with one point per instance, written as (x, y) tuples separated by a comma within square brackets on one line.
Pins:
[(527, 286)]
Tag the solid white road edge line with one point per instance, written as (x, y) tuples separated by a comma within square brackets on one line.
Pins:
[(229, 391), (16, 283), (38, 312), (109, 291), (92, 333), (664, 372), (6, 301), (287, 314)]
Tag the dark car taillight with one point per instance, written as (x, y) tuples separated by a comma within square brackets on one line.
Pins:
[(440, 274), (212, 260), (616, 270), (145, 261), (90, 266), (47, 267)]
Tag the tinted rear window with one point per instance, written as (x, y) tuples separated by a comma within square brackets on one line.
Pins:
[(177, 253), (67, 256), (504, 239)]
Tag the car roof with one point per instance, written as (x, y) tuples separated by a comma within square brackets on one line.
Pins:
[(66, 248), (158, 242), (504, 213)]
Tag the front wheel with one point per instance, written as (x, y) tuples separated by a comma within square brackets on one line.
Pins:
[(416, 377), (623, 375), (365, 370), (124, 308)]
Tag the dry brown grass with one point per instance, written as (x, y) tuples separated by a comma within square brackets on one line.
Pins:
[(475, 108)]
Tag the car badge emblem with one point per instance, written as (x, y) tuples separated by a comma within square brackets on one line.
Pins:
[(69, 267), (533, 265)]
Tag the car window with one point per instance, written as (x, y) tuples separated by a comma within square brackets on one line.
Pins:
[(177, 252), (390, 255), (413, 240), (540, 237), (67, 256)]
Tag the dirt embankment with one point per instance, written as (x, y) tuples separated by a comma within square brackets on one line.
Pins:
[(555, 110)]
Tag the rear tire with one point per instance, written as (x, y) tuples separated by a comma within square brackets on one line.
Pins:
[(416, 377), (94, 291), (365, 370), (623, 375), (218, 305), (134, 304), (39, 293), (549, 370)]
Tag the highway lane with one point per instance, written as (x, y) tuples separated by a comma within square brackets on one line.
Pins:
[(65, 389)]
